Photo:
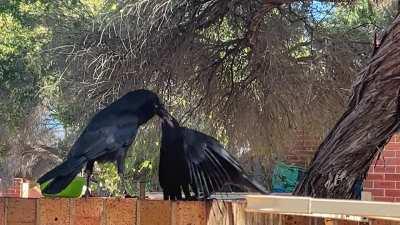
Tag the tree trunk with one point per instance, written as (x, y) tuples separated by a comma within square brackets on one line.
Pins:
[(370, 120)]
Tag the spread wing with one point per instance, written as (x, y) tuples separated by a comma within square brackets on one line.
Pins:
[(211, 166)]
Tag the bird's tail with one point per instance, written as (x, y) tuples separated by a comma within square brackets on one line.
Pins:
[(63, 174), (60, 183), (253, 185)]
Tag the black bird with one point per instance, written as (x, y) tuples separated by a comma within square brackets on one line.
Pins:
[(106, 138), (193, 161)]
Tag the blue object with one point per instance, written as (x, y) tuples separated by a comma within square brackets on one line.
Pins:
[(285, 177)]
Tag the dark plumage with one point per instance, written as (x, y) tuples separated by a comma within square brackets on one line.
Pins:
[(106, 138), (193, 161)]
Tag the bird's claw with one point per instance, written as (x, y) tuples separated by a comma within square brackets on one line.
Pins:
[(190, 198), (87, 194), (128, 196)]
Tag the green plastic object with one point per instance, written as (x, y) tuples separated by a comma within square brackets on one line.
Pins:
[(75, 189), (285, 177)]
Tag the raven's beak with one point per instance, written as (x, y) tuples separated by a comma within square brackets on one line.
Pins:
[(164, 115)]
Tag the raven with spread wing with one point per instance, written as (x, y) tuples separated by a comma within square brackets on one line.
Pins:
[(106, 138), (191, 161)]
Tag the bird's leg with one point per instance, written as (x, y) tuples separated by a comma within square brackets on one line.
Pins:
[(178, 193), (121, 170), (165, 194), (125, 193), (186, 191), (89, 172)]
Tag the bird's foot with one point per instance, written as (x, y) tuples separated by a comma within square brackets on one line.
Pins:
[(190, 198), (88, 194), (128, 196)]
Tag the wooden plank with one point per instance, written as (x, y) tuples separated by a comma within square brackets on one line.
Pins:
[(326, 208), (21, 211), (352, 207), (383, 222), (296, 220), (239, 213), (120, 211), (263, 219), (54, 211), (278, 204), (154, 212), (189, 212), (88, 211), (2, 212), (219, 212)]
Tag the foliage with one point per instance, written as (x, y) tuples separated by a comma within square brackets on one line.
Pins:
[(242, 71), (21, 65)]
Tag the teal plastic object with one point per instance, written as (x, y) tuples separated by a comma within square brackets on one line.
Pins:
[(285, 177), (75, 189)]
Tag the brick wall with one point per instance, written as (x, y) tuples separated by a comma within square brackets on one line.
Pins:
[(19, 188), (13, 190), (302, 150), (383, 179)]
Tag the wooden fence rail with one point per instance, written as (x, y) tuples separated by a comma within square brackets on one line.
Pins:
[(114, 211)]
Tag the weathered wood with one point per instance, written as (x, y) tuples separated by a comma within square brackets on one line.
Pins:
[(114, 211), (2, 212), (371, 118), (88, 211), (120, 211), (193, 213), (54, 211), (20, 211), (154, 212)]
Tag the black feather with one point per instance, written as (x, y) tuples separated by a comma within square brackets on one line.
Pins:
[(107, 137), (209, 166)]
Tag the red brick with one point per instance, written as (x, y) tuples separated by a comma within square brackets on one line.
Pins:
[(384, 199), (386, 162), (389, 154), (385, 184), (397, 185), (375, 191), (379, 162), (392, 161), (369, 184), (397, 199), (396, 138), (397, 154), (392, 146), (392, 176), (384, 169), (373, 176), (392, 193), (292, 157)]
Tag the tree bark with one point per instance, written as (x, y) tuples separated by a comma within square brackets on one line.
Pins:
[(370, 120)]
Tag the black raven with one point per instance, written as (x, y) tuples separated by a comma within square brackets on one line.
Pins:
[(193, 161), (106, 138)]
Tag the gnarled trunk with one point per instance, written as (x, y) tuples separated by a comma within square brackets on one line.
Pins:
[(371, 118)]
